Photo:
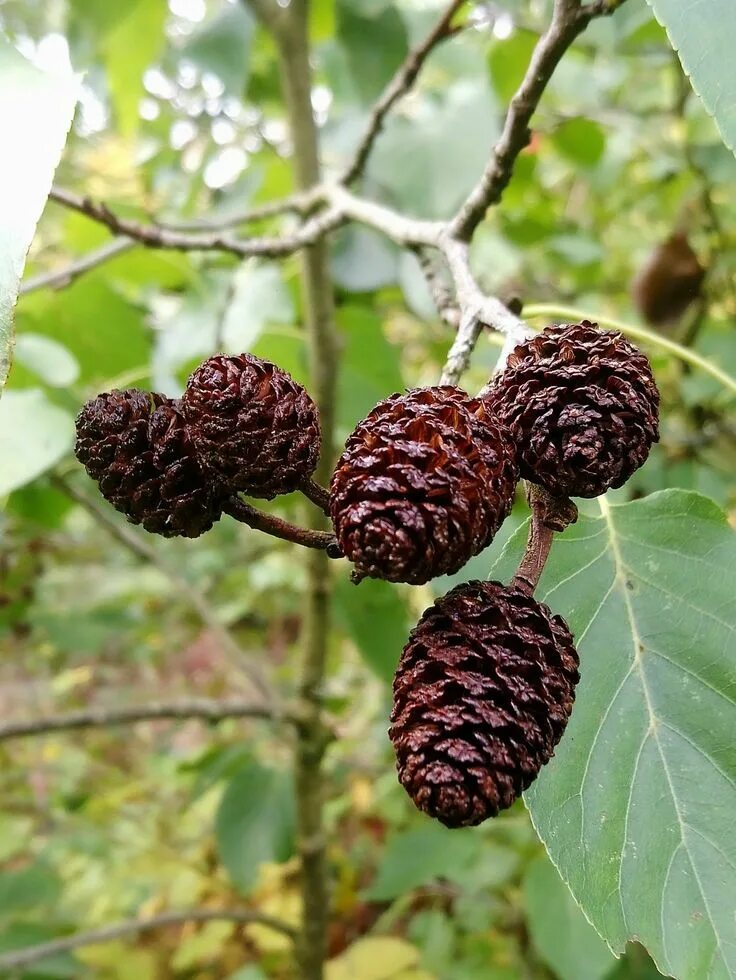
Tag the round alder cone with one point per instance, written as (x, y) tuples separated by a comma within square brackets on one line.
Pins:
[(252, 424), (424, 482), (482, 695), (582, 405), (136, 446)]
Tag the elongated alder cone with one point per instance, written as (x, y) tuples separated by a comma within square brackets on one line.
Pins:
[(668, 282), (424, 482), (136, 446), (482, 694), (253, 426), (582, 405)]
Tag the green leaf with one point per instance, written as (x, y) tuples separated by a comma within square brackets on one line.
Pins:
[(35, 885), (508, 61), (375, 44), (47, 359), (222, 46), (36, 112), (636, 809), (34, 435), (704, 42), (561, 934), (581, 141), (416, 857), (129, 38), (369, 364), (375, 615), (255, 822)]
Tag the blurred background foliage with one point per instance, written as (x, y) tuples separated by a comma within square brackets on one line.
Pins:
[(181, 119)]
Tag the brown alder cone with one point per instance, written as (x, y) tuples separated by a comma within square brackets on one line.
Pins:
[(424, 482), (582, 405), (135, 445), (668, 282), (482, 694), (253, 426)]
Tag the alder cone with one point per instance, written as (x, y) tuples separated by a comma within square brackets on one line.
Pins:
[(252, 424), (482, 694), (135, 445), (424, 482), (582, 405), (669, 281)]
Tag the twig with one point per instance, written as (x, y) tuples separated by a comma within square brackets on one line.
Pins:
[(65, 276), (318, 495), (295, 204), (550, 515), (196, 599), (260, 521), (20, 958), (432, 265), (157, 236), (206, 709), (568, 20), (398, 87)]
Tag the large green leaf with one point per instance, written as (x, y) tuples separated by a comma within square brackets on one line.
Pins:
[(34, 434), (703, 38), (255, 822), (636, 809), (36, 111)]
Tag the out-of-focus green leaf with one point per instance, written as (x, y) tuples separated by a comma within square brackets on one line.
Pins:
[(222, 46), (37, 885), (375, 615), (508, 62), (363, 261), (34, 435), (375, 45), (255, 822), (416, 857), (582, 141), (129, 37), (369, 369), (106, 334), (561, 934), (635, 807), (47, 359), (36, 111), (704, 47)]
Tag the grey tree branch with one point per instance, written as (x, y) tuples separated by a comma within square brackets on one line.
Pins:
[(205, 709), (568, 20), (196, 599), (398, 87), (21, 958), (65, 276), (157, 236)]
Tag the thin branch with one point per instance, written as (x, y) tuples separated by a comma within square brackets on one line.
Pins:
[(396, 226), (434, 269), (196, 599), (569, 19), (21, 958), (550, 515), (399, 85), (156, 236), (260, 521), (318, 495), (65, 276), (206, 709), (302, 204)]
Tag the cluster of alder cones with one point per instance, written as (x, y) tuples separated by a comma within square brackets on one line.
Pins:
[(486, 682)]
